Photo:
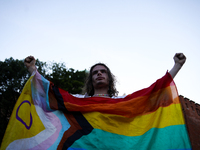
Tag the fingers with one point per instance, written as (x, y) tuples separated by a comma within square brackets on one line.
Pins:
[(180, 56), (29, 59), (29, 62)]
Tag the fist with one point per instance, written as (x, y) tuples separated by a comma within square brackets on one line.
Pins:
[(179, 58), (29, 62), (29, 59)]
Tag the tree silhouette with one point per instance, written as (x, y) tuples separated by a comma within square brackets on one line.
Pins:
[(14, 76)]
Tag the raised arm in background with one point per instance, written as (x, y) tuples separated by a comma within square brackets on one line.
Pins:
[(179, 60)]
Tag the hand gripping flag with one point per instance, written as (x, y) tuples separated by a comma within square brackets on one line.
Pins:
[(47, 117)]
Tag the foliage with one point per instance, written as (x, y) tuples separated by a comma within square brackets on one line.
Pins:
[(14, 76), (69, 80)]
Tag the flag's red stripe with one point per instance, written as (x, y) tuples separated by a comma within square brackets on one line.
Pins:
[(159, 84)]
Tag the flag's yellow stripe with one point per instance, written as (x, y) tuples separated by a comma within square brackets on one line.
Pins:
[(162, 117)]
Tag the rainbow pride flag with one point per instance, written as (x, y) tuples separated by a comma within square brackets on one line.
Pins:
[(47, 118)]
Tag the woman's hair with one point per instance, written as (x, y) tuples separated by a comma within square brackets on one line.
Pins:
[(89, 86)]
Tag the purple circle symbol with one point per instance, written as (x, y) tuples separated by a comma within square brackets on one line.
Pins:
[(18, 118)]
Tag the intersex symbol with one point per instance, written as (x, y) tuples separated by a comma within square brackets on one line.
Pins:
[(18, 118)]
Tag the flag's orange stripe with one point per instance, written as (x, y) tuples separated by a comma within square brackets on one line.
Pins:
[(133, 107)]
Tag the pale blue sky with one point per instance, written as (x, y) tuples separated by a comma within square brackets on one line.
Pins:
[(136, 39)]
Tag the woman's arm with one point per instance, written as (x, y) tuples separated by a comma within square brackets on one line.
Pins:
[(179, 60)]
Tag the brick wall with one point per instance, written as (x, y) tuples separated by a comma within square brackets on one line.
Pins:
[(191, 112)]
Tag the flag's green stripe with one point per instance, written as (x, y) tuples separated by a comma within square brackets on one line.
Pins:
[(154, 139)]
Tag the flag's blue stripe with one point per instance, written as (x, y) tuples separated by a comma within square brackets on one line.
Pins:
[(65, 126), (75, 149), (64, 122), (181, 149), (154, 139)]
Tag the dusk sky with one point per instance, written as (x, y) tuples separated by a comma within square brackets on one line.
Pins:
[(136, 39)]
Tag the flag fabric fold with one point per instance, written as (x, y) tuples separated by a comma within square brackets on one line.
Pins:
[(47, 117)]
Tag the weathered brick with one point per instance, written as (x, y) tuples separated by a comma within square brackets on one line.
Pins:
[(191, 112)]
